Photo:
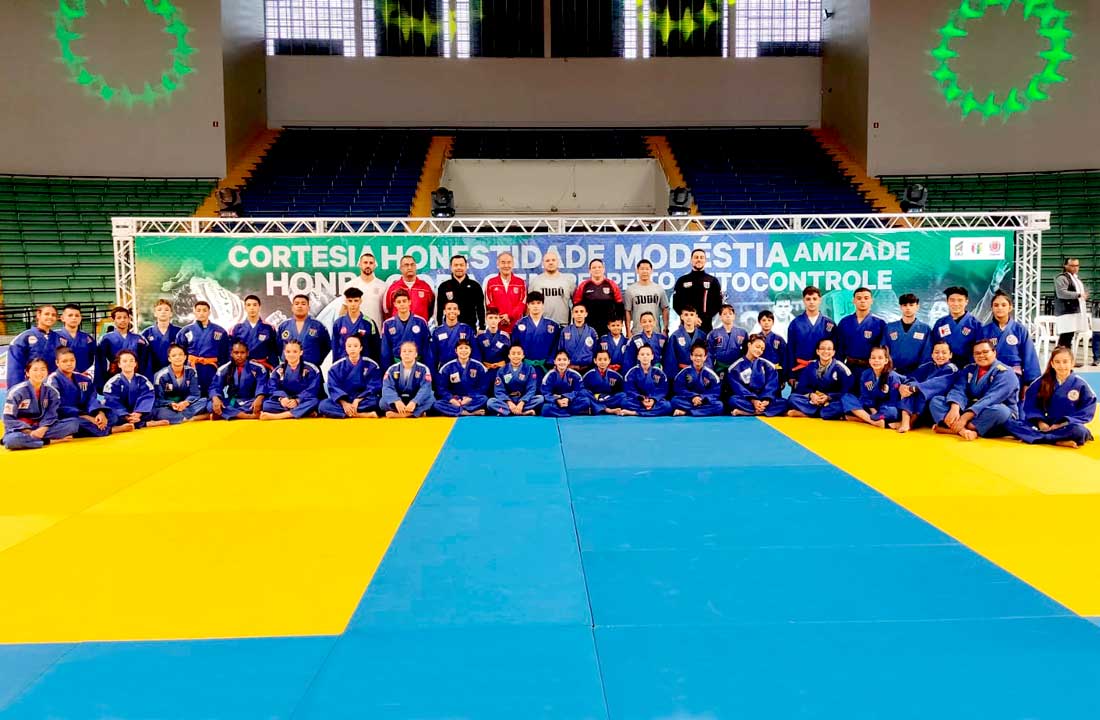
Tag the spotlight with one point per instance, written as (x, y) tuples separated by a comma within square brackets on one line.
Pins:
[(443, 203), (914, 199), (679, 202)]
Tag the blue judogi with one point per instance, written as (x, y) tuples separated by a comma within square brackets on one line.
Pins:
[(726, 346), (1073, 402), (302, 383), (960, 335), (314, 337), (802, 339), (445, 339), (690, 383), (30, 345), (124, 396), (748, 380), (26, 409), (678, 348), (516, 384), (79, 399), (455, 380), (656, 343), (992, 398), (108, 348), (396, 331), (639, 384), (568, 385), (158, 345), (539, 340), (239, 387), (877, 395), (261, 339), (616, 349), (603, 390), (908, 348), (171, 389), (855, 338), (580, 343), (1014, 348), (775, 352), (415, 387), (83, 346), (929, 380), (362, 326), (207, 350), (492, 348), (357, 383), (834, 380)]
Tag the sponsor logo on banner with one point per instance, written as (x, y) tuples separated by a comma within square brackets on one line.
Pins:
[(978, 248)]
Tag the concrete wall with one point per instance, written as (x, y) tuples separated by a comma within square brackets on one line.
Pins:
[(245, 74), (578, 92), (845, 74), (50, 125), (575, 187), (917, 132)]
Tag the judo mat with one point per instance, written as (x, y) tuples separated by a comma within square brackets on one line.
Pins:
[(604, 568)]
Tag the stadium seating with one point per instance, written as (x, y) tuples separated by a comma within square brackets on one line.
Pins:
[(337, 172), (763, 171), (549, 144), (55, 232), (1073, 198)]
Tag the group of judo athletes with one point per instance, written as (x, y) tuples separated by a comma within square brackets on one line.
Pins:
[(722, 371)]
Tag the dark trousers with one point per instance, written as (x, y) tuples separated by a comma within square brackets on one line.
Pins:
[(1066, 339)]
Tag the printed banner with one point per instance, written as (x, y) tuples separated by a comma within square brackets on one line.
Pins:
[(757, 270)]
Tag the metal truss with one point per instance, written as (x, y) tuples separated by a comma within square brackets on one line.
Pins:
[(1028, 227)]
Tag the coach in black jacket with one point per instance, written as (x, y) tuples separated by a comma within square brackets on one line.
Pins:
[(464, 290), (700, 290)]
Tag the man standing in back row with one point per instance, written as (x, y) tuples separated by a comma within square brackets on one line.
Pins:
[(506, 292), (466, 292), (645, 296), (556, 287), (421, 296), (699, 290)]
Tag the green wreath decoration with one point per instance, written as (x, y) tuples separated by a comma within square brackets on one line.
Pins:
[(1018, 100), (171, 80)]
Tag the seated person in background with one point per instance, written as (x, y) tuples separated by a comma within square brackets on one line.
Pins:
[(407, 385), (821, 386), (460, 385), (614, 342), (1012, 341), (775, 347), (491, 348), (982, 399), (78, 397), (682, 340), (697, 389), (648, 336), (447, 335), (932, 378), (578, 340), (879, 400), (237, 392), (293, 388), (537, 334), (726, 342), (177, 386), (645, 386), (909, 340), (354, 384), (603, 385), (562, 388), (515, 387), (753, 382), (130, 396), (1057, 408), (30, 412)]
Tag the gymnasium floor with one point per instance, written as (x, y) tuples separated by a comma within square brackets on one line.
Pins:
[(610, 569)]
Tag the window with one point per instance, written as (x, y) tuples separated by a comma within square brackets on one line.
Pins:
[(690, 28), (778, 27), (310, 27)]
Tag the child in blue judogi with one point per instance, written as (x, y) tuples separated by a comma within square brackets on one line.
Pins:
[(982, 399), (461, 384), (293, 388), (562, 389), (645, 387), (79, 399), (354, 384), (407, 385), (30, 412), (697, 389), (515, 387), (130, 396), (238, 390), (821, 386), (179, 398), (931, 379), (877, 400), (1057, 408), (604, 386), (753, 382)]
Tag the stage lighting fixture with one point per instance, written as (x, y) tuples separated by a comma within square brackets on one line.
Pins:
[(679, 202), (914, 199), (443, 203)]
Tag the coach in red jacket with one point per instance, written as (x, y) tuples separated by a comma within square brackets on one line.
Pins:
[(421, 295), (601, 296), (506, 292)]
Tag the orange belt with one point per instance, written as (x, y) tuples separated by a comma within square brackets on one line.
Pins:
[(196, 360), (799, 364)]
